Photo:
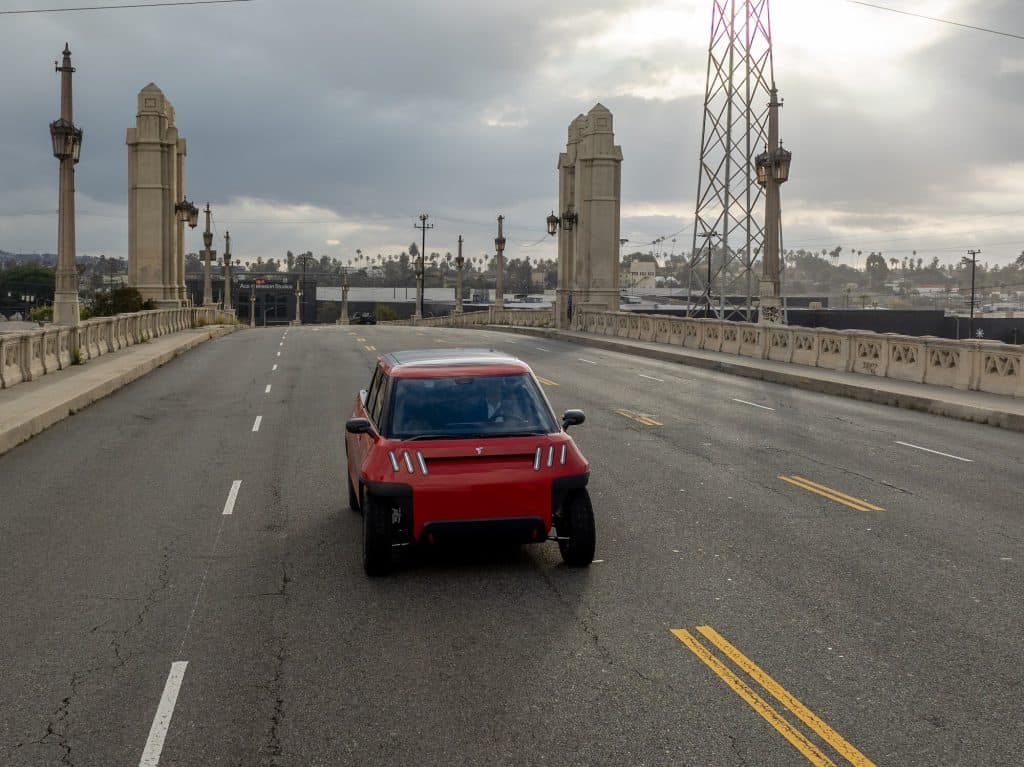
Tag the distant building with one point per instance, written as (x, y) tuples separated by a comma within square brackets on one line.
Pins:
[(642, 274)]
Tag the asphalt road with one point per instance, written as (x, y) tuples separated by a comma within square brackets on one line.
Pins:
[(748, 606)]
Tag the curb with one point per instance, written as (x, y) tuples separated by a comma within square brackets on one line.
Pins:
[(863, 393), (23, 432)]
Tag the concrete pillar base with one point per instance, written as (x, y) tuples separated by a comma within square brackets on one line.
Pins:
[(65, 309)]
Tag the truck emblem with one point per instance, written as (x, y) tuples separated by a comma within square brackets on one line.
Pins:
[(479, 451)]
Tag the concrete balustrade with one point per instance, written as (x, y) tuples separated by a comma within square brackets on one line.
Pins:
[(988, 366), (530, 318), (32, 354)]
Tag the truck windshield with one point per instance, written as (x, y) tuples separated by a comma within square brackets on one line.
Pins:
[(468, 406)]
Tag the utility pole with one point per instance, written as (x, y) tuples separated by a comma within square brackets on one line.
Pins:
[(423, 226), (459, 263), (974, 260), (499, 279)]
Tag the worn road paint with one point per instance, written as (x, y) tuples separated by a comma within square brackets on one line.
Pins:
[(831, 493), (229, 505), (780, 694), (753, 404), (936, 452), (796, 738), (164, 712)]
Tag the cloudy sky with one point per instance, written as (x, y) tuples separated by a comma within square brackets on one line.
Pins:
[(329, 126)]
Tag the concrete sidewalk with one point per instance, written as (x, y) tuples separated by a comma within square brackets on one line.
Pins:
[(29, 408), (980, 407)]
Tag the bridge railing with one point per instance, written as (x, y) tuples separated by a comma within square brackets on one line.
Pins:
[(533, 318), (988, 366), (32, 354)]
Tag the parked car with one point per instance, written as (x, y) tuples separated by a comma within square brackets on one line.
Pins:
[(456, 445), (363, 318)]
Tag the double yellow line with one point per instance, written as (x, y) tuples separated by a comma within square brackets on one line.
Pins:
[(831, 493), (639, 418), (546, 381), (795, 737)]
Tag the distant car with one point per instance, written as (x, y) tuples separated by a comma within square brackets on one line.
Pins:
[(457, 445), (363, 318)]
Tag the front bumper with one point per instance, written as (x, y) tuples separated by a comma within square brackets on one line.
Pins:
[(440, 517)]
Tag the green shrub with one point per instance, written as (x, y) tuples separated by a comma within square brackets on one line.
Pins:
[(384, 313), (41, 314)]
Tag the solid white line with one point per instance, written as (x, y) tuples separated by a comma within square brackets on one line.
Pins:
[(752, 404), (229, 505), (267, 390), (542, 349), (936, 452), (659, 380), (589, 362), (164, 712), (273, 368), (256, 426)]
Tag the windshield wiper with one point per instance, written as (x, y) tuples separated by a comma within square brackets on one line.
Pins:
[(432, 436)]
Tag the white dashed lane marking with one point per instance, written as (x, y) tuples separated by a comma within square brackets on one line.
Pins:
[(164, 712), (256, 425), (753, 404), (229, 505), (267, 390), (935, 452)]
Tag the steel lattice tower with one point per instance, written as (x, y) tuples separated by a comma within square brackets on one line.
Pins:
[(728, 228)]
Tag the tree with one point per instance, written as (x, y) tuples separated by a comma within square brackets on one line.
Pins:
[(38, 281), (120, 301), (877, 270)]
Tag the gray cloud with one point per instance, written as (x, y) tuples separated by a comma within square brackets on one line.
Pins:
[(369, 114)]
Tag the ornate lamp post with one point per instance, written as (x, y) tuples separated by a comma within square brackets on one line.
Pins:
[(186, 213), (207, 255), (67, 148), (227, 273), (566, 221), (343, 320), (772, 172), (499, 280)]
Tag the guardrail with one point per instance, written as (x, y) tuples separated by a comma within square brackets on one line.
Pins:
[(988, 366), (29, 355)]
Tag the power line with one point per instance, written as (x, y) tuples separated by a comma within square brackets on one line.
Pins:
[(121, 7), (936, 18)]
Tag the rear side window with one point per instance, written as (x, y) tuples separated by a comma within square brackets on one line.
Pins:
[(380, 397), (374, 392)]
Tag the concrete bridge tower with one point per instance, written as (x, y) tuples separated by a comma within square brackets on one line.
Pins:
[(589, 200), (156, 160)]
